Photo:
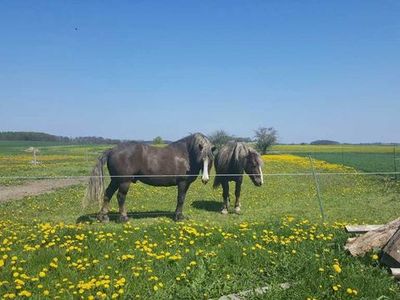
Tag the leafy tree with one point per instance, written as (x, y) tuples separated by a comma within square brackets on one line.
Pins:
[(265, 138), (158, 140), (220, 137)]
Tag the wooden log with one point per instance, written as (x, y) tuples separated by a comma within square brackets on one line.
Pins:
[(391, 251), (373, 239), (361, 228)]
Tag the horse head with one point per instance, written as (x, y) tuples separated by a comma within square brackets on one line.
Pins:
[(253, 167), (203, 151)]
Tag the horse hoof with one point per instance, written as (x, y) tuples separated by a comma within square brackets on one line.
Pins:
[(103, 218), (224, 211), (237, 209), (178, 217), (123, 219)]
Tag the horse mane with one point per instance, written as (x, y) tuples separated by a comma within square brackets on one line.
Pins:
[(192, 142), (195, 139), (191, 138), (234, 155), (229, 156), (232, 159)]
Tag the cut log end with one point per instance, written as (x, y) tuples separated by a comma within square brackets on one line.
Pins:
[(361, 228), (395, 272), (373, 239)]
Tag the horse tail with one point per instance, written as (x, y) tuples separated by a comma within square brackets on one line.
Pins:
[(95, 189)]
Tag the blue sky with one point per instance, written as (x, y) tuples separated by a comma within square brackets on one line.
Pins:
[(139, 69)]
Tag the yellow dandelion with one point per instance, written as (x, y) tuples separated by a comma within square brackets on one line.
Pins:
[(337, 268), (25, 293)]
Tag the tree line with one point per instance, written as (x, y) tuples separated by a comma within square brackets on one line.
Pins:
[(41, 136), (263, 138)]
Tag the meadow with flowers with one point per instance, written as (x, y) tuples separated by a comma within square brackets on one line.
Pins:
[(52, 248)]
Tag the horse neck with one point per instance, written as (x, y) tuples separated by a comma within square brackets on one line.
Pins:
[(185, 145)]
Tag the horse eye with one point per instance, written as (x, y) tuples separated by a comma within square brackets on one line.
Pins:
[(200, 147)]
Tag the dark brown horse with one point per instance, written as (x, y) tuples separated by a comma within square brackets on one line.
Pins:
[(177, 164), (233, 160)]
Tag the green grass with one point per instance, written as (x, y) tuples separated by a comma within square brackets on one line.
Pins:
[(368, 162), (368, 158), (16, 147), (336, 148), (54, 159), (278, 238)]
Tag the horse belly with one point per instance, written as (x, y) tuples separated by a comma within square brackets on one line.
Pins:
[(159, 181)]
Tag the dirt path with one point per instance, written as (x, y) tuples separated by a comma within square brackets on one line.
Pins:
[(37, 187)]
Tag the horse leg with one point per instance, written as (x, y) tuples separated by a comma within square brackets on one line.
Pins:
[(122, 191), (225, 196), (182, 189), (112, 187), (238, 188)]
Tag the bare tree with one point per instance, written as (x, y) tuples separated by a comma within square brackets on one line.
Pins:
[(219, 138), (265, 138)]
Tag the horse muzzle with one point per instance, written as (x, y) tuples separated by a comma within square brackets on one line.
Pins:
[(205, 178)]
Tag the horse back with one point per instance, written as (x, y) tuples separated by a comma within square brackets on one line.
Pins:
[(142, 159)]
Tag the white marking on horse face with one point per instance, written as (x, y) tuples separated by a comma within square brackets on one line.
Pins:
[(261, 174), (205, 177)]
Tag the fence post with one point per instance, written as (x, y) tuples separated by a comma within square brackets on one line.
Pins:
[(317, 188), (394, 161), (341, 148)]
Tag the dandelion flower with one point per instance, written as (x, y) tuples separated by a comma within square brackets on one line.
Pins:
[(337, 268)]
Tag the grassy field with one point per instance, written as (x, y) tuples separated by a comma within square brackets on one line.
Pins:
[(71, 160), (54, 159), (368, 158), (52, 248)]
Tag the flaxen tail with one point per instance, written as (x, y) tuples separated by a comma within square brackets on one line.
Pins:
[(95, 189)]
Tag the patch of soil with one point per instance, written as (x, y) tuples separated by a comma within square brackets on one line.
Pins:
[(36, 187)]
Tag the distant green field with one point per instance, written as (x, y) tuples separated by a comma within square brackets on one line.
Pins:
[(368, 158), (18, 147), (337, 148), (55, 159)]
